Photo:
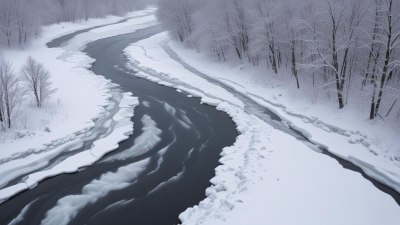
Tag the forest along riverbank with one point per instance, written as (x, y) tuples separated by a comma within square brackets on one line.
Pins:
[(171, 174)]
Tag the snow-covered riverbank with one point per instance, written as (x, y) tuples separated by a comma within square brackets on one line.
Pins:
[(269, 177), (85, 109)]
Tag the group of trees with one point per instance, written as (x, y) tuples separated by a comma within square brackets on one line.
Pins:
[(34, 80), (21, 20), (347, 47)]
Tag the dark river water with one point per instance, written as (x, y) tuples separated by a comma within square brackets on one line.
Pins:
[(179, 166)]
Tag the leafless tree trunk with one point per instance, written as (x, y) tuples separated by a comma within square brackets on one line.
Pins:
[(86, 6), (37, 81), (292, 43), (12, 93), (388, 23)]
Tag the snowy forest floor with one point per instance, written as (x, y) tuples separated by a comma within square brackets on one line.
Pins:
[(268, 177)]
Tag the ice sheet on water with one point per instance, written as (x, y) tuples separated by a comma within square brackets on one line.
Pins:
[(160, 154), (170, 180), (144, 143), (68, 207), (181, 118), (146, 103), (123, 129), (171, 110)]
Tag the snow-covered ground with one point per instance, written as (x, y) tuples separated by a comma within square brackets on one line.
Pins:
[(268, 176), (336, 131), (86, 107), (77, 88)]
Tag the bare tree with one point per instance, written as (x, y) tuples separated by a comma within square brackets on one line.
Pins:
[(11, 92), (211, 33), (177, 17), (87, 8), (389, 26), (265, 33), (333, 42), (292, 41), (36, 79)]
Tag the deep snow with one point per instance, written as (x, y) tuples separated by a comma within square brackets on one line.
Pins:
[(268, 176)]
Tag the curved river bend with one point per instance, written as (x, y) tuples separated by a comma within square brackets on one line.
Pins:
[(161, 170)]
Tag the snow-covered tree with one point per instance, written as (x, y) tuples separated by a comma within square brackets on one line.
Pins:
[(11, 94), (36, 80), (388, 30), (346, 47), (177, 17)]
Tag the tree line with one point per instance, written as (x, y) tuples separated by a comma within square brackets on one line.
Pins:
[(21, 20), (347, 47)]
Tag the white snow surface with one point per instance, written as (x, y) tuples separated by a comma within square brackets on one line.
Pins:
[(81, 101), (267, 176)]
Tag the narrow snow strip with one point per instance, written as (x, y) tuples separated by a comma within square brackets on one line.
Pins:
[(144, 143), (175, 178), (68, 207), (190, 153), (123, 128), (116, 205), (161, 154)]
